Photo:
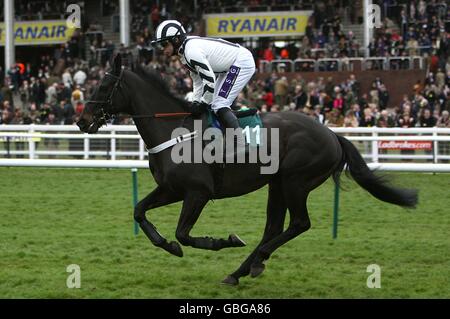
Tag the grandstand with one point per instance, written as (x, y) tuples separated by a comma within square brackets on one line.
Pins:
[(324, 70)]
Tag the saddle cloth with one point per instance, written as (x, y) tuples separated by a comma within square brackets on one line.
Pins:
[(248, 120)]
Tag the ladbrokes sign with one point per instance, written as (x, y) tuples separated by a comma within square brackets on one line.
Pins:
[(405, 145)]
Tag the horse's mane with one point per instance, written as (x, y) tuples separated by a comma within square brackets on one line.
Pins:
[(154, 79)]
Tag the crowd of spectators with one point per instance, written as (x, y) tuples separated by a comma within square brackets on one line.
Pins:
[(40, 10), (422, 31), (54, 91), (51, 91), (147, 15), (227, 6), (344, 104), (330, 102)]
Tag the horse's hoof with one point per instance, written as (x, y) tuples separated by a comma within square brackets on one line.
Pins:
[(236, 241), (175, 249), (256, 270), (231, 281)]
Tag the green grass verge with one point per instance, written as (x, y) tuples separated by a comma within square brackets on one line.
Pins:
[(51, 218)]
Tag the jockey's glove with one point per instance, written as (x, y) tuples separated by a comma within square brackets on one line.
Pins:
[(198, 108)]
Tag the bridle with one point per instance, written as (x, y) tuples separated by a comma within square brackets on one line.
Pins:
[(105, 111)]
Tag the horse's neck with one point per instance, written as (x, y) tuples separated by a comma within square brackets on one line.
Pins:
[(147, 100), (156, 131)]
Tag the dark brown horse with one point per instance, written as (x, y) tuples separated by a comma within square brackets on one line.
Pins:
[(309, 153)]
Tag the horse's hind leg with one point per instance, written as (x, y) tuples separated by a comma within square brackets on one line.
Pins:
[(295, 198), (193, 205), (157, 198), (276, 213)]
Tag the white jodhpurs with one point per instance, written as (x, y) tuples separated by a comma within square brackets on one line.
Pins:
[(230, 84)]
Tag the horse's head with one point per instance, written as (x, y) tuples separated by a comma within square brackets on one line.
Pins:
[(107, 100)]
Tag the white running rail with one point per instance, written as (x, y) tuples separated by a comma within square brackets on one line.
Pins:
[(120, 146)]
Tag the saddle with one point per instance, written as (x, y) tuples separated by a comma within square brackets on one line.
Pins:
[(250, 122), (248, 118)]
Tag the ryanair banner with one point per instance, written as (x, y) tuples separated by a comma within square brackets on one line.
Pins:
[(256, 24), (38, 32)]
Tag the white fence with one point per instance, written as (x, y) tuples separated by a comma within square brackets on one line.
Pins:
[(120, 146)]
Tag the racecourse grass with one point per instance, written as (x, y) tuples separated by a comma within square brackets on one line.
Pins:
[(51, 218)]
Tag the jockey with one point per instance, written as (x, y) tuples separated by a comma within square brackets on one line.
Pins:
[(219, 69)]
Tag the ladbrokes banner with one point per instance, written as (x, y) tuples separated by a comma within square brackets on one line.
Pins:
[(405, 145), (257, 24), (38, 32)]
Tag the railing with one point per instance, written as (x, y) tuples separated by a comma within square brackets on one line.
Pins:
[(122, 143), (395, 8), (66, 141), (438, 152), (287, 6), (41, 16), (304, 65), (95, 34), (342, 64), (350, 63)]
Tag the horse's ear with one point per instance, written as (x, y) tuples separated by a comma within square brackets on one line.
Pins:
[(117, 64)]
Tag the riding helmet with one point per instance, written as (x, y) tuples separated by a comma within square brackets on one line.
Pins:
[(172, 31)]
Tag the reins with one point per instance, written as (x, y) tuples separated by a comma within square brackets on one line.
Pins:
[(106, 113), (162, 115)]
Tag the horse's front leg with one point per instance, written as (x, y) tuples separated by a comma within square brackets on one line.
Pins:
[(157, 198), (193, 205)]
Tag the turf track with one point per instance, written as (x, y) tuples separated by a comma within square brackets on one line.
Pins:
[(51, 218)]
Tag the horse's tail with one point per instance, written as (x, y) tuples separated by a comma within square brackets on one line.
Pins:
[(374, 184)]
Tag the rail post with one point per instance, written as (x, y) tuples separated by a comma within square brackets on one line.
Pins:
[(435, 147), (375, 147), (31, 144), (336, 209), (135, 196)]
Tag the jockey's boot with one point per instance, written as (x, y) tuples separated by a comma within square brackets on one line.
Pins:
[(229, 120)]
